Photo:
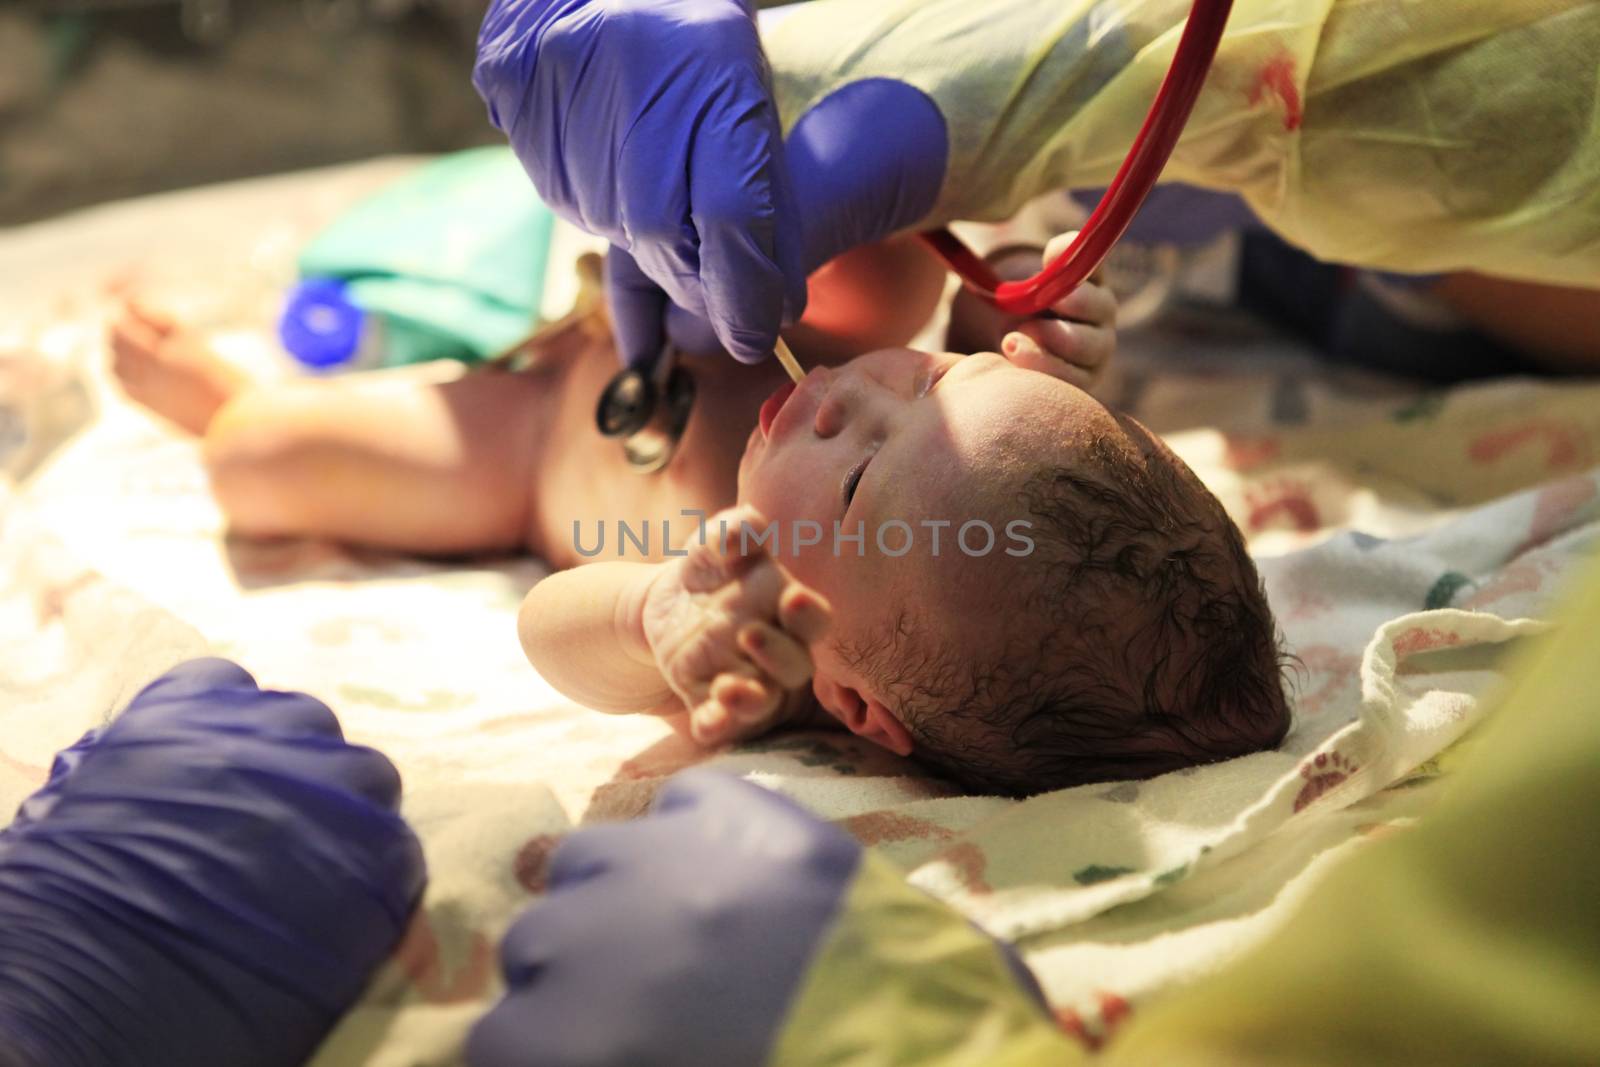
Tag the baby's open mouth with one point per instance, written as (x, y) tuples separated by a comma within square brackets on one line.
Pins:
[(773, 405)]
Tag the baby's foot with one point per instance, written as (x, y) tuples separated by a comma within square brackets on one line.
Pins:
[(170, 369)]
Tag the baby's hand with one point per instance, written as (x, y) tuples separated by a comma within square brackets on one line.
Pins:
[(1076, 347), (730, 631)]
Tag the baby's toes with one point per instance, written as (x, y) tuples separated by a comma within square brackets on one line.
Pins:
[(157, 322), (133, 356)]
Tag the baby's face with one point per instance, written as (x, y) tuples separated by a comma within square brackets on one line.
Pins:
[(908, 448)]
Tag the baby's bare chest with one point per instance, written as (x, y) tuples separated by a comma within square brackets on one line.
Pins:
[(588, 504)]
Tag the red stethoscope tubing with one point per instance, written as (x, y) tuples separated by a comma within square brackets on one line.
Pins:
[(1123, 197)]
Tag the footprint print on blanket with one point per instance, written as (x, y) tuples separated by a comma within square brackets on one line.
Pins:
[(1524, 578), (1093, 1026), (1420, 639), (1565, 446), (1282, 502), (1558, 508), (1245, 453), (1331, 673), (1322, 773)]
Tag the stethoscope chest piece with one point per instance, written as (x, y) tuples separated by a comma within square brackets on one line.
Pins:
[(649, 412), (626, 404)]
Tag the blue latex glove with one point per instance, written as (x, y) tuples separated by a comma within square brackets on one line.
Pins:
[(211, 879), (677, 940), (651, 123), (866, 161)]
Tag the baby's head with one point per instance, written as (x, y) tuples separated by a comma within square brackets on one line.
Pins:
[(1044, 595)]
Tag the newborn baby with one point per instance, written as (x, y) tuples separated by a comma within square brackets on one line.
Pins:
[(966, 559), (1028, 591)]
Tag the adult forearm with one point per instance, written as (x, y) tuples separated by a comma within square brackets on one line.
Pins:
[(1552, 325), (581, 631)]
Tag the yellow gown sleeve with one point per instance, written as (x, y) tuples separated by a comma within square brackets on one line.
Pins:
[(1410, 135), (903, 981)]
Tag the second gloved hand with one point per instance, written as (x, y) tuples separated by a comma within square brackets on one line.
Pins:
[(730, 927), (675, 941), (211, 879)]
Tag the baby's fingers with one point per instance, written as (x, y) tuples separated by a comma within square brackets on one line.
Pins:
[(710, 723), (1088, 347), (751, 702), (737, 706), (779, 655), (729, 550), (135, 353), (1089, 302), (131, 338), (804, 613), (1063, 357)]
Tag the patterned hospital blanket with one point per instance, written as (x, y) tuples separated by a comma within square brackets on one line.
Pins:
[(1408, 539)]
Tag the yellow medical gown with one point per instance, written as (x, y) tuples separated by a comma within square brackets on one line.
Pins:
[(1410, 135)]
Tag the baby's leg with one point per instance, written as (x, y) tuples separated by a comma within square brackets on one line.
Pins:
[(384, 459), (399, 459)]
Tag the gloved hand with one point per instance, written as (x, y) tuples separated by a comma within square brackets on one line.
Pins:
[(692, 937), (652, 124), (210, 879), (866, 161), (676, 940)]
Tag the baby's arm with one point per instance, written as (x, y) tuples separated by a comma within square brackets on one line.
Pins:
[(721, 633), (583, 631)]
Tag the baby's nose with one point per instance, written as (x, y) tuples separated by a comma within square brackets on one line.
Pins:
[(854, 396), (839, 407)]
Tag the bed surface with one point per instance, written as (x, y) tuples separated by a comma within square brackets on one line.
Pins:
[(1407, 538)]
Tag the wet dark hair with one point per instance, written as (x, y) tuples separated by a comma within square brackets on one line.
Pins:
[(1143, 642)]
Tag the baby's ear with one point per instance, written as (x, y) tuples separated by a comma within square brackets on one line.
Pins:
[(862, 714)]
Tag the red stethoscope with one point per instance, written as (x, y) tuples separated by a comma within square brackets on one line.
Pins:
[(1123, 197)]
